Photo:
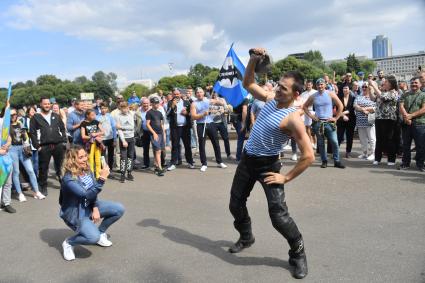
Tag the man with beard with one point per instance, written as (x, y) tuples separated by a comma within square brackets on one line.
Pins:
[(48, 136)]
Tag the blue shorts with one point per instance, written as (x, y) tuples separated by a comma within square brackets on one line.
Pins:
[(158, 144)]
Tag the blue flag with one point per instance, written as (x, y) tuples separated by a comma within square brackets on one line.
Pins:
[(229, 83), (5, 160)]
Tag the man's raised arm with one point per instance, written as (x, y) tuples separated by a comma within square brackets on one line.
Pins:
[(249, 79)]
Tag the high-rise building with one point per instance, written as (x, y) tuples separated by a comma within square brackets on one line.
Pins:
[(381, 47), (401, 66)]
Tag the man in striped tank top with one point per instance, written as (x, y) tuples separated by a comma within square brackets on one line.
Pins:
[(275, 125)]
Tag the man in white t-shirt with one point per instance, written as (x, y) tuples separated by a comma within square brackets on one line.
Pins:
[(307, 120)]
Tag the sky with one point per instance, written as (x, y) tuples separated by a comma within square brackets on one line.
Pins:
[(139, 38)]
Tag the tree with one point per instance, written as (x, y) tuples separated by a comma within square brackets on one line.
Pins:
[(367, 66), (169, 83), (198, 72), (340, 68), (81, 80), (47, 80), (140, 90), (353, 64), (306, 68), (210, 79)]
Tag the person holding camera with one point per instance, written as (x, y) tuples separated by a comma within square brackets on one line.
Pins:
[(80, 208), (200, 111)]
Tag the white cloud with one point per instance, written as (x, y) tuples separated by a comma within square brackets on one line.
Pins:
[(202, 30)]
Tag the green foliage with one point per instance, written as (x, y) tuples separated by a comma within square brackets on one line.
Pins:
[(306, 68), (340, 68), (180, 81), (353, 64), (140, 90), (102, 85), (367, 66)]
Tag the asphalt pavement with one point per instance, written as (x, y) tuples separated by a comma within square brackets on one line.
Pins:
[(362, 224)]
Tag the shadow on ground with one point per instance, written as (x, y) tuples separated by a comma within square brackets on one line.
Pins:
[(215, 248), (55, 237)]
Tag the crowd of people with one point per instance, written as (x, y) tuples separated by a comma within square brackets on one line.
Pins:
[(387, 115)]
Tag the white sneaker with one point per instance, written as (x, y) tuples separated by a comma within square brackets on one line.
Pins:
[(371, 157), (103, 241), (191, 166), (314, 146), (287, 147), (362, 156), (391, 163), (222, 165), (375, 163), (204, 168), (294, 157), (39, 195), (171, 168), (22, 198), (68, 251)]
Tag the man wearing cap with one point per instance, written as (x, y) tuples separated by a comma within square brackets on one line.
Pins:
[(134, 99), (324, 122), (360, 81), (155, 124)]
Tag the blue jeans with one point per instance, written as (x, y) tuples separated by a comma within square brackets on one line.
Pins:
[(241, 139), (330, 133), (88, 233), (34, 160), (17, 155), (416, 133), (167, 137)]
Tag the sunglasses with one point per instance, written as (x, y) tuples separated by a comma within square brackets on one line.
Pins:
[(13, 114), (364, 87)]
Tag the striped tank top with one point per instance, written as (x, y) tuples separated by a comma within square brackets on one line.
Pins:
[(267, 139)]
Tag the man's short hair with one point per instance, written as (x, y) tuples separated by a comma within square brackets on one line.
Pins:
[(104, 104), (415, 78), (43, 98), (298, 85)]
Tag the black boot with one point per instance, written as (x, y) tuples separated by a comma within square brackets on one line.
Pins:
[(324, 164), (338, 164), (246, 238), (122, 178), (130, 176), (298, 260)]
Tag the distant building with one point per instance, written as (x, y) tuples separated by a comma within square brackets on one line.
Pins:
[(401, 66), (298, 55), (381, 47)]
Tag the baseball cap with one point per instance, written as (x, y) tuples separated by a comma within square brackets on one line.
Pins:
[(320, 81), (360, 73), (154, 100)]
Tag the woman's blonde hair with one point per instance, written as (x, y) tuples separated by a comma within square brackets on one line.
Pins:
[(70, 164)]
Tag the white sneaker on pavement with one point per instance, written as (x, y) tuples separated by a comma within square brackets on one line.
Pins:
[(171, 168), (191, 166), (22, 198), (375, 163), (204, 168), (294, 157), (391, 163), (362, 156), (103, 241), (371, 157), (39, 195), (68, 251), (222, 165)]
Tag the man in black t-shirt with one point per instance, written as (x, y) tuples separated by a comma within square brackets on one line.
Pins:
[(155, 124)]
